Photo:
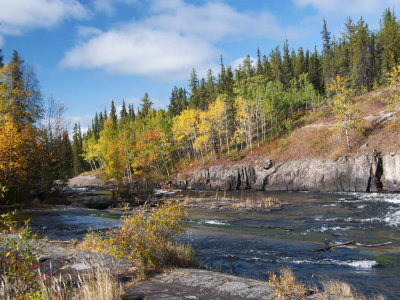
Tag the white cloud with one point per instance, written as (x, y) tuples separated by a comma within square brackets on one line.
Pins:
[(239, 61), (108, 6), (174, 38), (18, 16), (83, 120), (140, 51), (349, 7)]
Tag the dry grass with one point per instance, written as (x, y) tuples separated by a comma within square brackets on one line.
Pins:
[(99, 284), (286, 286), (337, 288)]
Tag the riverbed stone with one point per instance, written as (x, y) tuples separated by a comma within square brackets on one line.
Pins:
[(199, 284)]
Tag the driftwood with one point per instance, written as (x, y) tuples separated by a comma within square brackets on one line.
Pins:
[(333, 246)]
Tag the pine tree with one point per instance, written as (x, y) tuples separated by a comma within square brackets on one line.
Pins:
[(1, 59), (287, 71)]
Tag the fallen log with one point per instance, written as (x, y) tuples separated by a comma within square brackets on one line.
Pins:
[(333, 246)]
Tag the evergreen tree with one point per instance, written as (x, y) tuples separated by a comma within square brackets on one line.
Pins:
[(174, 107), (131, 113), (194, 99), (259, 65), (113, 113), (1, 59), (276, 64), (267, 71), (77, 150), (66, 157), (361, 77), (287, 71), (124, 113), (101, 122), (146, 105), (314, 71), (299, 66), (389, 42)]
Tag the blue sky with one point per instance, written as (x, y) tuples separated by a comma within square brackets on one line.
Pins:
[(87, 52)]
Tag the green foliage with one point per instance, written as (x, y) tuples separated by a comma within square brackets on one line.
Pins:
[(18, 258), (344, 108), (146, 238)]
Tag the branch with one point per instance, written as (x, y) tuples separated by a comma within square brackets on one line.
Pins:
[(333, 246)]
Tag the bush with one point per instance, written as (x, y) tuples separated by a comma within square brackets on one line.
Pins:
[(146, 238), (18, 258)]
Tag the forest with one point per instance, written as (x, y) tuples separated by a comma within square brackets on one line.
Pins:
[(217, 116)]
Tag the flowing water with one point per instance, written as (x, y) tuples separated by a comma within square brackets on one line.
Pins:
[(250, 243)]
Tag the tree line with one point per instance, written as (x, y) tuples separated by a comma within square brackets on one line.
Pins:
[(35, 147)]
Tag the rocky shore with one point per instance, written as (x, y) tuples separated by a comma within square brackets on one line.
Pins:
[(374, 172)]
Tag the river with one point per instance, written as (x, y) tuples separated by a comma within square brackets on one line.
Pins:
[(251, 243)]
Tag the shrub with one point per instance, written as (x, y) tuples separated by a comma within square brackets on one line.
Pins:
[(286, 286), (18, 258), (146, 238)]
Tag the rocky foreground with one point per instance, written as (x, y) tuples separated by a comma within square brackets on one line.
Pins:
[(374, 172), (57, 257)]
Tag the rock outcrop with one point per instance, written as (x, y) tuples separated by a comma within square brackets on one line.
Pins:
[(364, 173)]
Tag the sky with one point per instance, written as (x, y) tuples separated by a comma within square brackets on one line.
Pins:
[(87, 52)]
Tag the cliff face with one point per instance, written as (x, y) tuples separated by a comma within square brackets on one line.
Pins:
[(365, 173)]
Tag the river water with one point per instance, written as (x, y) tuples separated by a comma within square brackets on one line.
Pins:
[(250, 243)]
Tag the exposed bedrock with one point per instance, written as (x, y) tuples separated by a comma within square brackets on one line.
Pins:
[(364, 173)]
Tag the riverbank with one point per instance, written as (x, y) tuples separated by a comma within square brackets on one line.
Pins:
[(59, 259), (374, 172)]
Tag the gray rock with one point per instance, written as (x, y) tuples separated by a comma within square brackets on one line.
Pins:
[(362, 174), (391, 172), (199, 284), (268, 164)]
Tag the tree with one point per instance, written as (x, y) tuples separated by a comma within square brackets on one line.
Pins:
[(344, 108), (393, 80), (146, 105), (16, 143), (389, 42), (1, 59), (77, 150), (123, 113), (113, 113)]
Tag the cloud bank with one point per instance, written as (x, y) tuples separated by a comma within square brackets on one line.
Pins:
[(175, 37)]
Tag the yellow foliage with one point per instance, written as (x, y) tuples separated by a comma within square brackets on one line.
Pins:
[(16, 149), (393, 80), (146, 238)]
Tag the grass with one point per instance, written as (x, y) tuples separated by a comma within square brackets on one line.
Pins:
[(99, 283), (287, 287)]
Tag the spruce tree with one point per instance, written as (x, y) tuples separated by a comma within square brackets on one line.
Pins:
[(113, 113), (124, 113), (67, 157)]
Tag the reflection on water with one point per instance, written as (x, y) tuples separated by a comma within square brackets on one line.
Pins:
[(250, 242)]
